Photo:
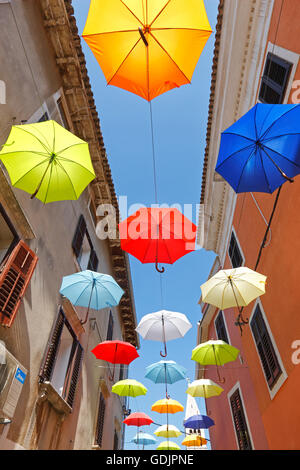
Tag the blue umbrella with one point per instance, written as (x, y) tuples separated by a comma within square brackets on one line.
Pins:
[(143, 439), (199, 422), (92, 290), (167, 372), (261, 150)]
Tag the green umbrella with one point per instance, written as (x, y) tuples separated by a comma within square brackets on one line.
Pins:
[(129, 388), (168, 445), (215, 352), (47, 161)]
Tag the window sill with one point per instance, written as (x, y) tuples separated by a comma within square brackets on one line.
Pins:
[(48, 392)]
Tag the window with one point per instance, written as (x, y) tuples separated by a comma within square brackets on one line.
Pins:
[(239, 419), (8, 235), (45, 117), (274, 79), (62, 113), (110, 328), (100, 421), (83, 247), (62, 362), (15, 275), (267, 354), (221, 328), (234, 252)]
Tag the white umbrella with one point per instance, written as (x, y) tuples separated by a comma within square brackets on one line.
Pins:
[(163, 326)]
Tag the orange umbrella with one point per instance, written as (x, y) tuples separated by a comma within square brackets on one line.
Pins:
[(167, 405), (194, 440), (147, 47)]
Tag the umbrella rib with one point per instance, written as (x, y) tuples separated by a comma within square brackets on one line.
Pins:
[(81, 294), (182, 29), (25, 174), (163, 8), (244, 167), (70, 146), (75, 163), (233, 154), (277, 119), (32, 135), (27, 151), (110, 32), (263, 167), (51, 169), (239, 293), (61, 166), (188, 80), (132, 13), (239, 135), (112, 77)]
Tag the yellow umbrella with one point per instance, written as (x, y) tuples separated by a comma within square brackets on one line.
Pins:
[(147, 47), (167, 430), (204, 388), (168, 445), (167, 405), (194, 440), (129, 388)]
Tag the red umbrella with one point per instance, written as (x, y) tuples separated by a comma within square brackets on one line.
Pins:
[(116, 352), (138, 419), (157, 235)]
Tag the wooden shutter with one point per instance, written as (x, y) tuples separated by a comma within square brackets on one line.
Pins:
[(47, 367), (265, 347), (100, 421), (274, 79), (234, 252), (93, 261), (78, 236), (220, 327), (240, 423), (110, 328), (73, 373), (14, 280)]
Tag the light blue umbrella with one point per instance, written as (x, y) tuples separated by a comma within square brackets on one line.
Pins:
[(167, 372), (143, 439), (92, 290)]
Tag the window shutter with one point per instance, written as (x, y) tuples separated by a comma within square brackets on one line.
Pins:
[(79, 235), (100, 421), (121, 373), (239, 420), (52, 349), (265, 348), (234, 252), (93, 261), (110, 328), (73, 372), (274, 79), (14, 280), (220, 327), (116, 441)]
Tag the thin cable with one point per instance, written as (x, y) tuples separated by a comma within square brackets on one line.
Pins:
[(28, 62), (153, 154)]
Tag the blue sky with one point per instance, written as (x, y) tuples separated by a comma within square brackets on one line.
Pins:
[(180, 118)]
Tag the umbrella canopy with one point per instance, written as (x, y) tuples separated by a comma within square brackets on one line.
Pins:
[(167, 405), (214, 352), (116, 352), (233, 288), (143, 439), (138, 419), (147, 48), (163, 325), (129, 388), (261, 150), (168, 445), (198, 422), (167, 430), (204, 388), (157, 235), (92, 290), (47, 161), (194, 440), (165, 372)]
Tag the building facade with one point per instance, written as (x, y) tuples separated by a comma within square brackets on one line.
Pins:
[(256, 60), (54, 394)]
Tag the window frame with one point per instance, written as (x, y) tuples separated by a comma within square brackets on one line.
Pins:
[(283, 376), (100, 420), (14, 232), (268, 82), (230, 394), (77, 240), (238, 245), (221, 314)]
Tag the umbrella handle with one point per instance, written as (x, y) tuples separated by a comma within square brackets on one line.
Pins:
[(164, 355), (162, 270)]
